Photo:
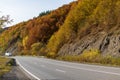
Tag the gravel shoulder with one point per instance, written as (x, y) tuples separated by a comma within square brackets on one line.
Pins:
[(15, 74)]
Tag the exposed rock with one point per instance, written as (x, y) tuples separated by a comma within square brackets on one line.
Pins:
[(107, 43), (114, 46)]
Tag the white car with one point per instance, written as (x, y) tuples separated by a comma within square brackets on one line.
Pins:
[(8, 54)]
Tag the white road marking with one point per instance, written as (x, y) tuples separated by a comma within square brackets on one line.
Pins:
[(35, 63), (60, 70), (42, 65), (106, 72), (58, 61), (27, 71)]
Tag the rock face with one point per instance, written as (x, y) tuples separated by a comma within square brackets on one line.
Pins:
[(111, 45), (107, 43)]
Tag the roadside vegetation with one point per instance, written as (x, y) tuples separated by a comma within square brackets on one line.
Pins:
[(92, 56), (5, 65)]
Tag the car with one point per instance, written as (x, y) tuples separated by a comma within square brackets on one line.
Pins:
[(8, 54)]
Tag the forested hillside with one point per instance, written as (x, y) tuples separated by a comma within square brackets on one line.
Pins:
[(92, 24), (81, 27), (27, 38)]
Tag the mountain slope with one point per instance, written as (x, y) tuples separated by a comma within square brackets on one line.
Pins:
[(92, 24), (84, 25), (21, 37)]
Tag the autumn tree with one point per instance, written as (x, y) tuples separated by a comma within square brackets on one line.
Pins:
[(42, 28)]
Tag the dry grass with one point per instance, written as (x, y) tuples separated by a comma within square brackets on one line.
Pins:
[(4, 65)]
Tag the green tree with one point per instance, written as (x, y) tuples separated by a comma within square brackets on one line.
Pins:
[(44, 13)]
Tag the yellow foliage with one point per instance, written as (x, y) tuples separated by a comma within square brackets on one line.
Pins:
[(56, 42), (51, 54), (87, 56), (90, 54), (25, 42)]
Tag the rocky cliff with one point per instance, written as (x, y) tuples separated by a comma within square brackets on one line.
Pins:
[(106, 42)]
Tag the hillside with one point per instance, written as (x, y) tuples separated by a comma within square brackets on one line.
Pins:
[(33, 34), (92, 24), (73, 29)]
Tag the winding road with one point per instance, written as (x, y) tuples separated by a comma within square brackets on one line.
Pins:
[(48, 69)]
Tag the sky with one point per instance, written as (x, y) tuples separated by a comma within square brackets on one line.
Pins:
[(23, 10)]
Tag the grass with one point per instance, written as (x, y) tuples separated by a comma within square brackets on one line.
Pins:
[(94, 57), (5, 66)]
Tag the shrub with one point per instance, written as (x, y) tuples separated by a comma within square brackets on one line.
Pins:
[(92, 56), (89, 55)]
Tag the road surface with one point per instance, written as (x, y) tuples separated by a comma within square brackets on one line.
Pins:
[(47, 69)]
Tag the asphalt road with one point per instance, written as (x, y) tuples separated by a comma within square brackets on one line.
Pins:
[(47, 69)]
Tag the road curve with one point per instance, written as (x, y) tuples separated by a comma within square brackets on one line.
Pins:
[(47, 69)]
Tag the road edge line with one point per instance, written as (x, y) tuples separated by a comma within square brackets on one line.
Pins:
[(27, 71), (92, 70)]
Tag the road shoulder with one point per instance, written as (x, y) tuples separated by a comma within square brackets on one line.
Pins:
[(15, 74)]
